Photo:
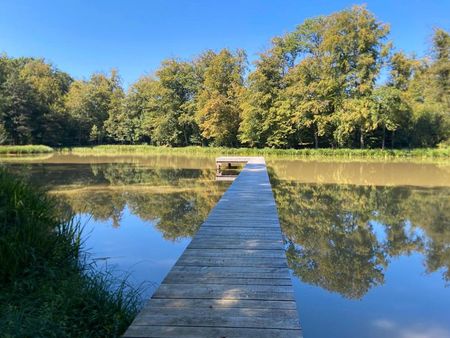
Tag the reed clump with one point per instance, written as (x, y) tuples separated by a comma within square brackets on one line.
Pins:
[(25, 149), (48, 288)]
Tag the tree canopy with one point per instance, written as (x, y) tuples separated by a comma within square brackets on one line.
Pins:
[(334, 81)]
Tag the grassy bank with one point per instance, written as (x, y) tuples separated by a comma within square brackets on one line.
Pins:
[(216, 151), (28, 149), (47, 289)]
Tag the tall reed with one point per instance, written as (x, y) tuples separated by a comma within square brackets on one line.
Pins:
[(48, 287)]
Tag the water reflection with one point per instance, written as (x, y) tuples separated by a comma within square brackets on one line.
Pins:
[(364, 172), (343, 237), (175, 200), (369, 242)]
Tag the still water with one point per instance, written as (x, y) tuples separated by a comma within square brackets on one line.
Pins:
[(368, 243)]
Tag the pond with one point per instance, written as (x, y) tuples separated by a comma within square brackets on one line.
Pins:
[(368, 242)]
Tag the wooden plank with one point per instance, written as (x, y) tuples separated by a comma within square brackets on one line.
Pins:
[(241, 229), (235, 159), (176, 278), (222, 313), (227, 221), (226, 291), (233, 272), (210, 332), (220, 303), (233, 279), (275, 243), (235, 253), (242, 244), (239, 236), (193, 317), (241, 224), (232, 261), (216, 231)]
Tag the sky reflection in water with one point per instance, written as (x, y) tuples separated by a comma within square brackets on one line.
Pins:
[(368, 243)]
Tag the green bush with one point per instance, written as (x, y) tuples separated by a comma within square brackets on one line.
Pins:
[(28, 149), (47, 287)]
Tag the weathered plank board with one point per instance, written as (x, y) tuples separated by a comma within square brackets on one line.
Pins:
[(174, 278), (203, 331), (214, 319), (220, 303), (232, 272), (233, 279), (235, 253), (231, 261)]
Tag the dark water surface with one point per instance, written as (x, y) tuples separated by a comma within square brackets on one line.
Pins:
[(368, 243)]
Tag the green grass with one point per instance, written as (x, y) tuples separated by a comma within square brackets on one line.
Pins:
[(216, 151), (317, 153), (27, 149), (47, 286)]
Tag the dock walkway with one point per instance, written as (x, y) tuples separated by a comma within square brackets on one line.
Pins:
[(232, 280)]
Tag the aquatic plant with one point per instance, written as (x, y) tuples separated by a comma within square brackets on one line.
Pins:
[(48, 287)]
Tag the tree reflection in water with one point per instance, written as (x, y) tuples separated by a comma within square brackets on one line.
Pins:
[(342, 237), (178, 200)]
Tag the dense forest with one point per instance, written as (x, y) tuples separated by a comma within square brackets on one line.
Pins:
[(334, 81)]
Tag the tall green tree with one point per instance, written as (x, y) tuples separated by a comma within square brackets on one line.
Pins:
[(390, 110), (428, 95), (312, 86), (92, 102), (50, 85), (313, 94), (356, 43), (261, 125), (31, 95), (138, 102), (179, 85), (159, 114), (402, 70), (440, 69), (218, 103), (164, 105), (19, 109)]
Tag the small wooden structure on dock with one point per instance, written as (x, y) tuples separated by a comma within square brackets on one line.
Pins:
[(232, 280), (226, 167)]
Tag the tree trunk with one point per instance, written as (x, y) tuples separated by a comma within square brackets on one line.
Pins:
[(185, 137), (383, 142), (392, 140), (361, 138), (316, 139)]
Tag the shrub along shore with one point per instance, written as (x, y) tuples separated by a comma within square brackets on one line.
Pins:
[(47, 286), (216, 151), (26, 149)]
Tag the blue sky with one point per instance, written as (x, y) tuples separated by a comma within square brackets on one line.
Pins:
[(81, 37)]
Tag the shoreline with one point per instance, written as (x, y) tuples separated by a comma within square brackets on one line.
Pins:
[(345, 153)]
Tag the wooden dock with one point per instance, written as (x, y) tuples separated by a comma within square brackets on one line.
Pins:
[(232, 280)]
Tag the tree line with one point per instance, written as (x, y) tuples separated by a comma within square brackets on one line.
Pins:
[(334, 81)]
